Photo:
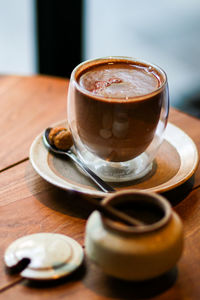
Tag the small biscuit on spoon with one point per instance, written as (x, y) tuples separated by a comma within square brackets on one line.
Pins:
[(61, 137)]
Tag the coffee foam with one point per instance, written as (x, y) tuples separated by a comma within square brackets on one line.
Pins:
[(119, 80)]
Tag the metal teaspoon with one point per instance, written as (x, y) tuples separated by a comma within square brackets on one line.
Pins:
[(102, 184)]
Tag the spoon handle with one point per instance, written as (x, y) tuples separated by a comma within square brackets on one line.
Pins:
[(114, 213), (102, 184)]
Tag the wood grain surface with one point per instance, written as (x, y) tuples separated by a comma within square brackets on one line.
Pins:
[(28, 105), (28, 204)]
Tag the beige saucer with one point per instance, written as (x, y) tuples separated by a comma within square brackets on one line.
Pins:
[(175, 163)]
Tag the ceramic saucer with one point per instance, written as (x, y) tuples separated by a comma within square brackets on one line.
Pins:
[(175, 163)]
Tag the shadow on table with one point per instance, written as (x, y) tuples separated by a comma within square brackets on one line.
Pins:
[(75, 204), (110, 287), (95, 280), (68, 202), (176, 195)]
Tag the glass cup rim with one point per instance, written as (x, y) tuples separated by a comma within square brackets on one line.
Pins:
[(128, 59)]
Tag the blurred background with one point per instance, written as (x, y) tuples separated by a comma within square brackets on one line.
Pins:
[(51, 37)]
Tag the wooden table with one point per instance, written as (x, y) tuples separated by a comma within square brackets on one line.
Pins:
[(29, 205)]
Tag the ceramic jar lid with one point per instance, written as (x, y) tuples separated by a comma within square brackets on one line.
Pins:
[(51, 255)]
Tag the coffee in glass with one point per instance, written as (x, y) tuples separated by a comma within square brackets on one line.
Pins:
[(117, 113)]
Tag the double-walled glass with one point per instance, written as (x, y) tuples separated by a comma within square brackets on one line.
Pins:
[(118, 138)]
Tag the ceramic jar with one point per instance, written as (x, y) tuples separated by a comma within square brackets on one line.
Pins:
[(135, 252)]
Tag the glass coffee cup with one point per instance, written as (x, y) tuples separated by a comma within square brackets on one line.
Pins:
[(117, 113)]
